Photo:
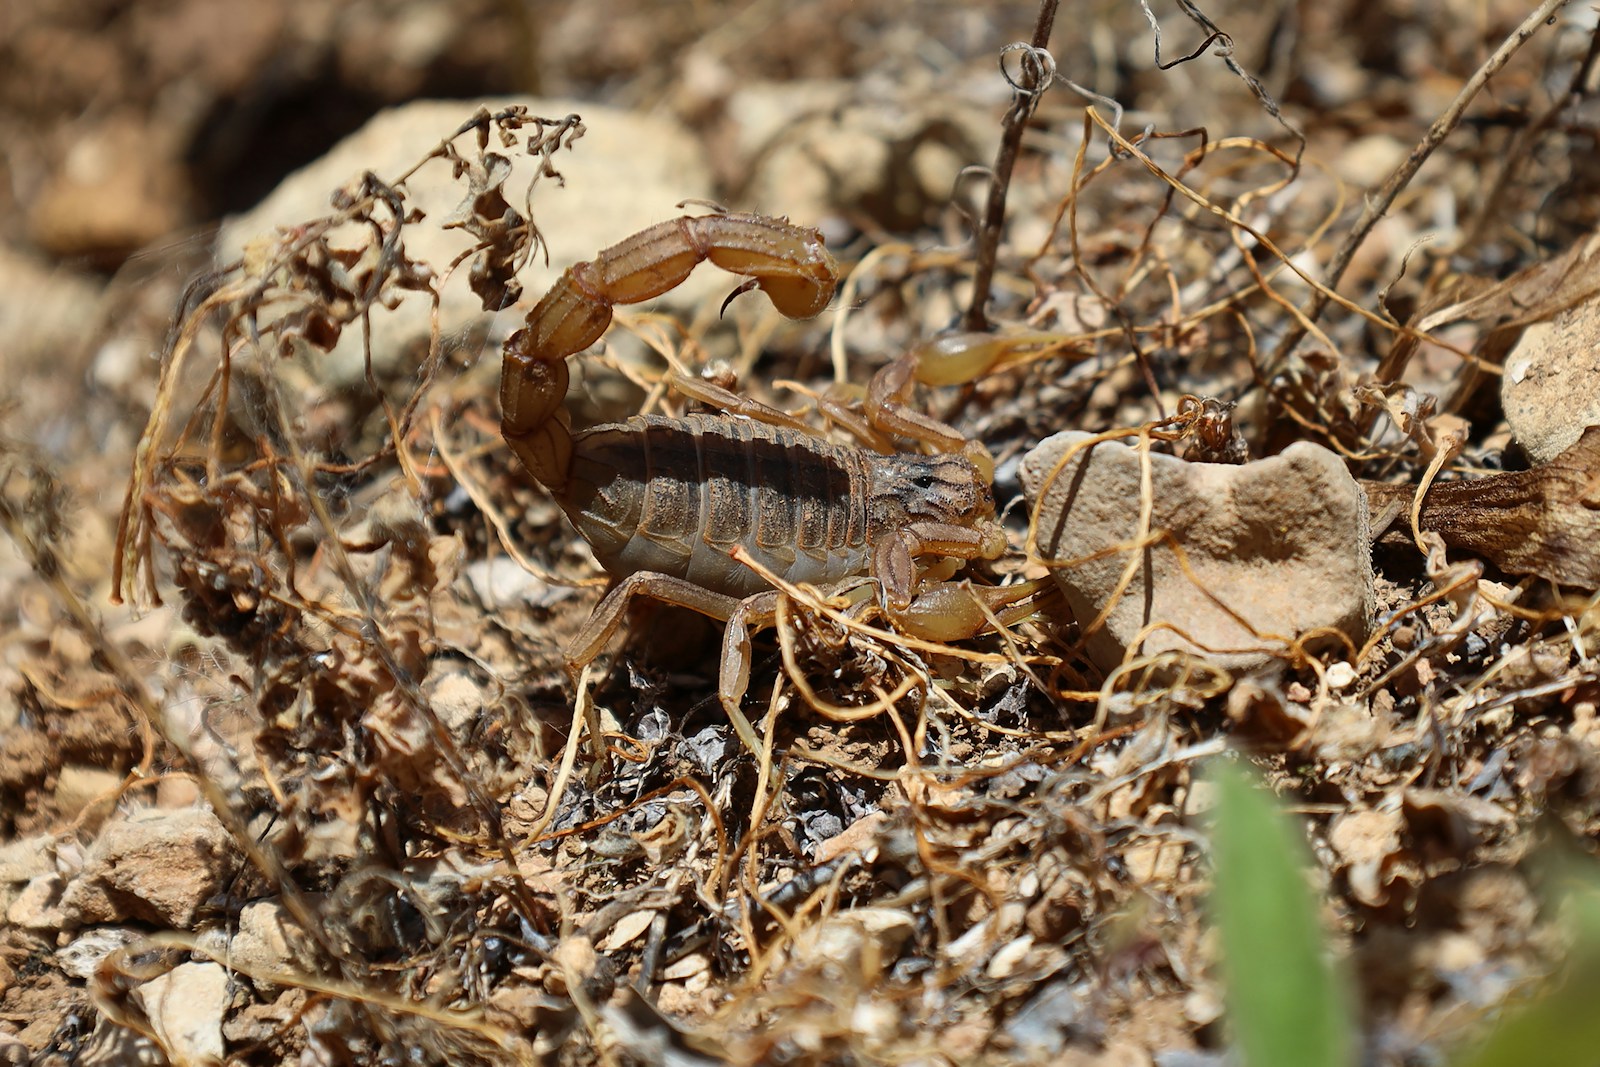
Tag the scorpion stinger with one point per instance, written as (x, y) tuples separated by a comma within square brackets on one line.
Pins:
[(738, 291)]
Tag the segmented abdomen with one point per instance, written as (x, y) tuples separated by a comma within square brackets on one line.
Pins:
[(674, 495)]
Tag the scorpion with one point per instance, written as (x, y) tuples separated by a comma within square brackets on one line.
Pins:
[(664, 501)]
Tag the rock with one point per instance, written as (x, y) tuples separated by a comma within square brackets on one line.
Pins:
[(628, 171), (120, 187), (1368, 161), (26, 858), (894, 152), (185, 1008), (1366, 842), (269, 942), (21, 864), (173, 792), (80, 785), (1284, 542), (43, 309), (842, 938), (500, 582), (37, 907), (1551, 387), (457, 700), (155, 866), (86, 952)]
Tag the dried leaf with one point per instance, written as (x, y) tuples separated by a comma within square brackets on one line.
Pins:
[(1543, 521)]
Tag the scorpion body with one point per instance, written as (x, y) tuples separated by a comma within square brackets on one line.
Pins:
[(674, 496), (664, 502)]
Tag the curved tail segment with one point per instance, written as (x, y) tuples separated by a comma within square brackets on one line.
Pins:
[(789, 263)]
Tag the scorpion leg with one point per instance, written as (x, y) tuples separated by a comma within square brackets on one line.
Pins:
[(743, 617), (713, 395), (942, 611), (592, 638), (953, 359)]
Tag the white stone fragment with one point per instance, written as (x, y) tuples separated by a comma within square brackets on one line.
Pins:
[(185, 1007), (1551, 388)]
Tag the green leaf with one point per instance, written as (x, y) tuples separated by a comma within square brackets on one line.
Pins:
[(1288, 1006)]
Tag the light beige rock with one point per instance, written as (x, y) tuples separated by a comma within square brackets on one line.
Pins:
[(501, 582), (842, 938), (626, 172), (1551, 387), (120, 187), (43, 309), (26, 858), (1283, 542), (175, 792), (37, 907), (456, 699), (185, 1008), (1368, 161), (155, 866), (818, 147), (80, 785), (269, 941), (1366, 841)]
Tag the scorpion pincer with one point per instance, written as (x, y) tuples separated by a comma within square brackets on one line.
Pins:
[(663, 501)]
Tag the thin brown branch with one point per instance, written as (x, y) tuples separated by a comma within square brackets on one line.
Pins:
[(1379, 204), (1521, 150), (1036, 78)]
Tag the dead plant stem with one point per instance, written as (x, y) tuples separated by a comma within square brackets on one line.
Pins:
[(1379, 204), (1024, 100), (1522, 146)]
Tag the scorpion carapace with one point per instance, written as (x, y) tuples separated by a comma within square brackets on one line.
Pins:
[(665, 501)]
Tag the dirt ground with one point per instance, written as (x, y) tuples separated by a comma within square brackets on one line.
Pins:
[(292, 765)]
